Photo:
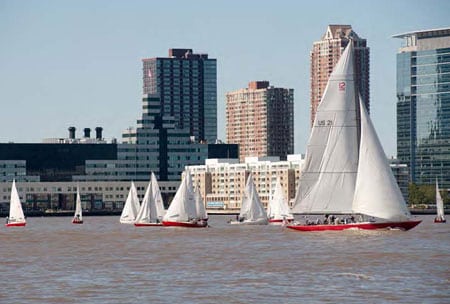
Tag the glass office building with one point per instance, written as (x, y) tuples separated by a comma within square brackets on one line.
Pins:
[(423, 105), (187, 85)]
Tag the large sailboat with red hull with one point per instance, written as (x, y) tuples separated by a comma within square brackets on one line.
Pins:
[(183, 210), (346, 178)]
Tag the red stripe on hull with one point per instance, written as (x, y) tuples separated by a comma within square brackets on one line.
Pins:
[(77, 222), (185, 224), (440, 221), (147, 224), (15, 224), (363, 226)]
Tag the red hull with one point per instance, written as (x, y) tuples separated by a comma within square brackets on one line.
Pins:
[(77, 222), (147, 224), (15, 224), (185, 224), (440, 221), (363, 226)]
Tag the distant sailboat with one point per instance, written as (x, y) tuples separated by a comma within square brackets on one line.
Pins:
[(440, 218), (152, 208), (252, 211), (278, 210), (346, 172), (16, 217), (200, 206), (182, 211), (131, 207), (78, 216)]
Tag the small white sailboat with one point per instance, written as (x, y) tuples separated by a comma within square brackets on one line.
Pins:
[(131, 207), (182, 211), (278, 210), (252, 210), (346, 172), (152, 208), (200, 206), (78, 216), (440, 218), (16, 217)]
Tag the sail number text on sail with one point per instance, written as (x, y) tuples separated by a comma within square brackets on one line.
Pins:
[(322, 123)]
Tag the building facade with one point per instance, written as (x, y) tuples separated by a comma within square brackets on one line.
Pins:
[(326, 53), (222, 181), (423, 105), (260, 119), (187, 85)]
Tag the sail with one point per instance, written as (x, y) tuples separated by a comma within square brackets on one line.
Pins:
[(439, 203), (15, 206), (199, 205), (376, 193), (152, 207), (278, 206), (182, 208), (78, 211), (251, 207), (328, 175), (131, 207)]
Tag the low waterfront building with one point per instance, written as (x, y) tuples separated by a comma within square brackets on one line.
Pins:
[(222, 181)]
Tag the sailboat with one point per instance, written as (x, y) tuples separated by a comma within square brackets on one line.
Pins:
[(152, 207), (440, 218), (346, 176), (200, 206), (131, 207), (278, 210), (78, 216), (16, 217), (182, 211), (252, 211)]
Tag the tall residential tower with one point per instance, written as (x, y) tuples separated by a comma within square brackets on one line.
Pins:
[(326, 53), (423, 105), (260, 119), (187, 86)]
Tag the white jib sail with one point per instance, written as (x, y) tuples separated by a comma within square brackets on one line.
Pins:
[(251, 207), (15, 206), (152, 207), (131, 207), (278, 205), (376, 193), (78, 210), (200, 206), (327, 181), (182, 207), (439, 203)]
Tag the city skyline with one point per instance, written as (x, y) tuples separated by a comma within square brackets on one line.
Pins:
[(79, 63)]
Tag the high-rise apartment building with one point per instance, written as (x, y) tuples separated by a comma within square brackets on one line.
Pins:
[(187, 86), (260, 119), (423, 105), (326, 53)]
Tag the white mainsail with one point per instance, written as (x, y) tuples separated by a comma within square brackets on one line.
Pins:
[(439, 203), (376, 192), (15, 207), (251, 207), (327, 181), (131, 207), (182, 208), (200, 206), (152, 207), (78, 211), (278, 205)]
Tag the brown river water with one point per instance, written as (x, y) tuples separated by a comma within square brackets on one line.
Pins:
[(103, 261)]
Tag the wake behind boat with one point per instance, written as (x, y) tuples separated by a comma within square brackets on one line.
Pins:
[(16, 217), (346, 171), (252, 212), (182, 211)]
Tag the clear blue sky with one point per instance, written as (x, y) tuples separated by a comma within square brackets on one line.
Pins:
[(78, 63)]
